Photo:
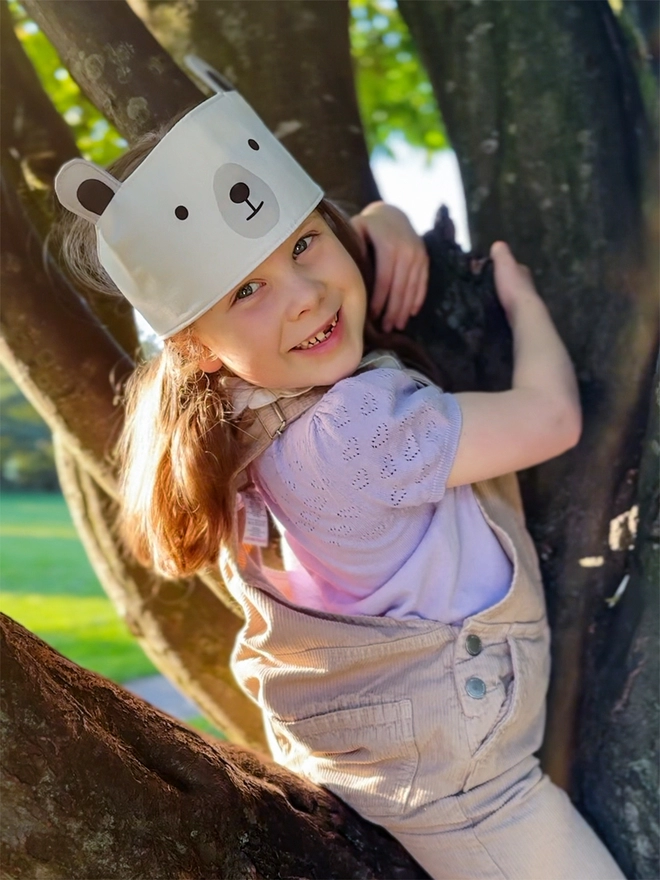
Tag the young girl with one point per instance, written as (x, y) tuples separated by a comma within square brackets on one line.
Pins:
[(401, 659)]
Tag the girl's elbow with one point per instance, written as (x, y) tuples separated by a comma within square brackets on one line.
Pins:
[(568, 425), (577, 425)]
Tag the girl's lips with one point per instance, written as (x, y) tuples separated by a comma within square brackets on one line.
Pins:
[(328, 343)]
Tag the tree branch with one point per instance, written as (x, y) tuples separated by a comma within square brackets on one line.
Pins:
[(116, 62), (116, 789)]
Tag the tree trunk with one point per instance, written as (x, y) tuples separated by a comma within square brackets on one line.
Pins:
[(116, 62), (97, 784), (543, 107), (617, 768), (37, 140)]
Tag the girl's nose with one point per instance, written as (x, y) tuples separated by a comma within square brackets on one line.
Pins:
[(304, 294)]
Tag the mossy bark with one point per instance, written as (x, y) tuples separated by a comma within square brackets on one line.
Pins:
[(557, 147)]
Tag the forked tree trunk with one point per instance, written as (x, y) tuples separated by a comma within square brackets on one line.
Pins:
[(543, 108)]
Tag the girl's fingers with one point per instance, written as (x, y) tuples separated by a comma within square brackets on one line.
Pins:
[(383, 281), (401, 295), (413, 295), (499, 249), (419, 283), (395, 297), (422, 287), (401, 263), (363, 235)]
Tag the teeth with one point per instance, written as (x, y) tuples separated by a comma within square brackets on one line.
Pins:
[(320, 337)]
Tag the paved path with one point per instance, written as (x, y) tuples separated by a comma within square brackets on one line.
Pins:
[(158, 691)]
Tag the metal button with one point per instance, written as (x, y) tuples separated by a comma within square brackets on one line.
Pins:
[(473, 645), (476, 688)]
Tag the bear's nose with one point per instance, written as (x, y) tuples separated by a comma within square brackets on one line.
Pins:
[(245, 201), (240, 192)]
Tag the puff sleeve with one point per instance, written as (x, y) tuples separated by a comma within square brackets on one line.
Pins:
[(376, 439)]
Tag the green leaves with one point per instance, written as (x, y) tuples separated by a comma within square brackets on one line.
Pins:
[(394, 93)]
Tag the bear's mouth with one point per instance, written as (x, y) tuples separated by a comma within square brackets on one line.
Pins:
[(255, 211)]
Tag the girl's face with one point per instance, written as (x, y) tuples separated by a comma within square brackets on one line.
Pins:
[(267, 330)]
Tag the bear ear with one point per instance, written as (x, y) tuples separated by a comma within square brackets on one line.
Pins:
[(85, 189), (210, 77)]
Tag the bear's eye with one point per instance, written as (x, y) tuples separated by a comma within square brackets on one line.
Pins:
[(253, 144), (181, 212)]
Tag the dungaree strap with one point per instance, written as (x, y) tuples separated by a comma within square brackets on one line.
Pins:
[(269, 422)]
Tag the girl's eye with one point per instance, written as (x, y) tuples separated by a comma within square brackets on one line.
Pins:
[(301, 245), (247, 290)]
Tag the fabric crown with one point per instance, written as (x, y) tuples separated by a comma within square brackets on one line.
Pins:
[(214, 198)]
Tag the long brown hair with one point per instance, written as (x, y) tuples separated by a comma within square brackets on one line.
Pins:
[(179, 450)]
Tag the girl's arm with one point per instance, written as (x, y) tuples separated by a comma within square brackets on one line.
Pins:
[(402, 264), (540, 416)]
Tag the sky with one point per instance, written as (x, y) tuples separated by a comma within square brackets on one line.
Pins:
[(419, 187)]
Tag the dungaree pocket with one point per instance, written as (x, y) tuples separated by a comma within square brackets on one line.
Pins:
[(367, 755), (517, 730)]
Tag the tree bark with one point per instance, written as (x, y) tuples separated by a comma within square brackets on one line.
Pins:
[(52, 344), (36, 141), (646, 20), (116, 62), (543, 106), (97, 784), (619, 720)]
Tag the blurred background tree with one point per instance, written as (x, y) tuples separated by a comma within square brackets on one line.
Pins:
[(26, 448)]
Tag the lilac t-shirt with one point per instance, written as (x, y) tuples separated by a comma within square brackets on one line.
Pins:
[(357, 486)]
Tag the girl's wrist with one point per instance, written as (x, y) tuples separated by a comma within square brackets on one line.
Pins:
[(526, 305)]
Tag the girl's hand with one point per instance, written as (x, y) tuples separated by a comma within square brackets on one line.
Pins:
[(513, 281), (539, 417), (402, 264)]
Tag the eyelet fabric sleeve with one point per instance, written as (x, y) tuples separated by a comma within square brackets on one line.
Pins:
[(385, 439), (357, 487)]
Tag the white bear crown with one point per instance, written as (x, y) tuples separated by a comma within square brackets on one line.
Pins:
[(215, 197)]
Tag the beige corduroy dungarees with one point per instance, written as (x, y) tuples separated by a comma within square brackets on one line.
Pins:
[(426, 728)]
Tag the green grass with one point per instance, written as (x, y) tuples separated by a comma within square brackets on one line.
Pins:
[(47, 584)]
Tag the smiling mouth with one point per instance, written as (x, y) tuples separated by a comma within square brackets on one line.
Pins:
[(319, 337)]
